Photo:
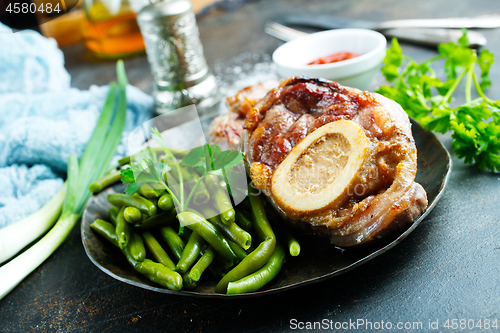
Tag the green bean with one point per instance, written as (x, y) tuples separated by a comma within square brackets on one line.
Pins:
[(136, 246), (122, 230), (155, 272), (198, 224), (148, 192), (105, 181), (132, 215), (243, 221), (156, 250), (176, 152), (165, 202), (252, 248), (186, 175), (238, 250), (260, 278), (201, 265), (222, 201), (174, 242), (154, 201), (261, 254), (289, 239), (159, 220), (143, 204), (189, 283), (172, 177), (124, 160), (184, 233), (224, 264), (292, 242), (113, 213), (179, 153), (248, 265), (190, 253), (261, 223), (217, 268), (201, 195), (232, 232), (245, 205), (166, 283), (106, 230)]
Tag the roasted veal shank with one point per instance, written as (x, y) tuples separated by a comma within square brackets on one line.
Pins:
[(333, 160)]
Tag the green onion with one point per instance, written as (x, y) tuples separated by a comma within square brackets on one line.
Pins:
[(15, 236), (93, 165)]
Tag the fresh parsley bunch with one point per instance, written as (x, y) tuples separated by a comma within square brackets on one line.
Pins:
[(426, 98)]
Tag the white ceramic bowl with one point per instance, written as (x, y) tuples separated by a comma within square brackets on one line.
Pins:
[(292, 58)]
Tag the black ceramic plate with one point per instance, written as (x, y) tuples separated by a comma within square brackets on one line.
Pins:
[(317, 261)]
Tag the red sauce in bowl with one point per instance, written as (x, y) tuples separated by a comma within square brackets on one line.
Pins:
[(336, 57)]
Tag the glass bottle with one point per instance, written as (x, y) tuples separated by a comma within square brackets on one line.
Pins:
[(110, 29)]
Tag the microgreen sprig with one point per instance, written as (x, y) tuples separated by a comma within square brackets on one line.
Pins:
[(206, 159)]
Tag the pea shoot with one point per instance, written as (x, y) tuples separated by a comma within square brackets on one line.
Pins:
[(208, 160)]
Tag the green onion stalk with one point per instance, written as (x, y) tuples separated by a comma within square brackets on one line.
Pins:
[(18, 235), (93, 164)]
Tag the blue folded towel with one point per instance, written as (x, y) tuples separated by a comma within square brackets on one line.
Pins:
[(43, 121)]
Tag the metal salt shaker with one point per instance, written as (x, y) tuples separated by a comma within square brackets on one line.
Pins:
[(175, 54)]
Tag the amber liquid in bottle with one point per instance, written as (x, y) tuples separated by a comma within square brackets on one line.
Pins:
[(112, 36)]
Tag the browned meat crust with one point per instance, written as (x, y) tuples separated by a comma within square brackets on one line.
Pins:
[(226, 130), (386, 198)]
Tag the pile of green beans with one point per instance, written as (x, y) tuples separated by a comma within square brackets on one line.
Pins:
[(238, 246)]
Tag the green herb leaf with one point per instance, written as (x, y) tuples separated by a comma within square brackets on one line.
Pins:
[(463, 40), (456, 56), (440, 122), (132, 188), (475, 125), (194, 158), (127, 175), (393, 59), (485, 61), (220, 159), (155, 134), (227, 158)]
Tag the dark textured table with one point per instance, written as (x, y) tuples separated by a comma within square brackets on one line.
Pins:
[(448, 268)]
